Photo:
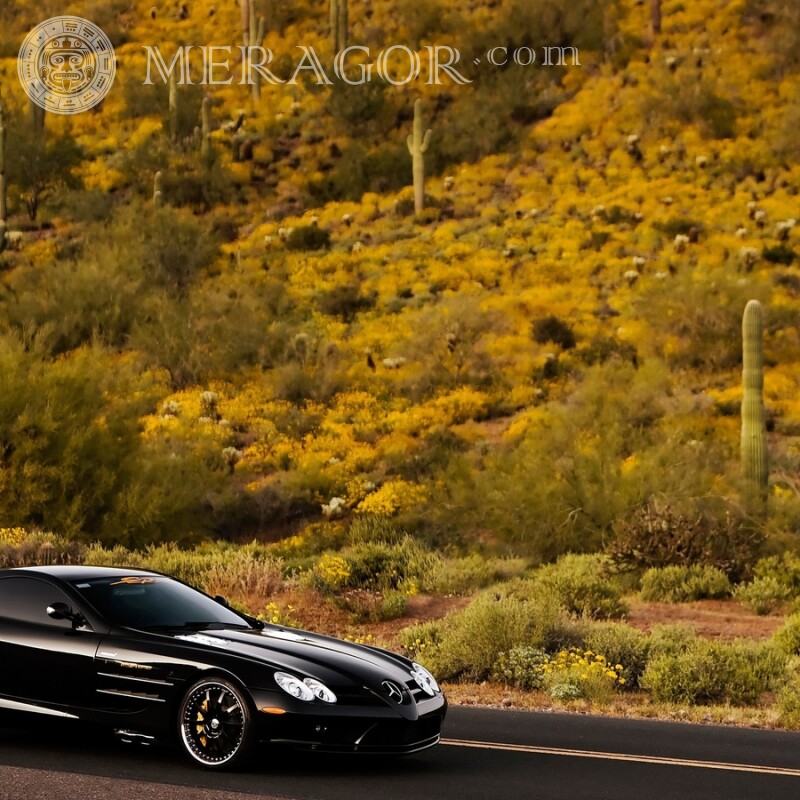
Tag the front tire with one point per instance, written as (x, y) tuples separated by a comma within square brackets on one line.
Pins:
[(216, 724)]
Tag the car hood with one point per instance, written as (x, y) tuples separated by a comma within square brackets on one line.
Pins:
[(335, 662)]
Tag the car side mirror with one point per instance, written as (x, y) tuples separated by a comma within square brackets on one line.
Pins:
[(63, 611), (223, 601)]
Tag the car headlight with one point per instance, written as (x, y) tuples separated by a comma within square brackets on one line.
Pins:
[(320, 690), (305, 690), (424, 679)]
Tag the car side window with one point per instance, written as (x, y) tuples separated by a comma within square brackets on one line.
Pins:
[(26, 600)]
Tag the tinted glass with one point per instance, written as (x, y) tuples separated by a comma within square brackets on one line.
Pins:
[(154, 602), (27, 599)]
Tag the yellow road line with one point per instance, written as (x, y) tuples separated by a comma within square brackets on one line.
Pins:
[(674, 762)]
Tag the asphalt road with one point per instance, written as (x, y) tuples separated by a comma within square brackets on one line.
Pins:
[(485, 755)]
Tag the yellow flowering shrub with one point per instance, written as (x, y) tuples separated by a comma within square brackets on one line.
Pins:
[(576, 673), (12, 536), (331, 572), (461, 405), (393, 496), (275, 615)]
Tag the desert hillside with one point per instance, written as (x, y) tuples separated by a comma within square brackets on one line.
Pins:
[(281, 340)]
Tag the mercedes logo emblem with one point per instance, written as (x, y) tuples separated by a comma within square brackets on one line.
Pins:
[(394, 691)]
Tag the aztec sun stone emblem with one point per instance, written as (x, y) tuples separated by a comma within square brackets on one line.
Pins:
[(66, 65)]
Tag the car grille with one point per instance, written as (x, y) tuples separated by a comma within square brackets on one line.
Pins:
[(351, 696), (416, 692)]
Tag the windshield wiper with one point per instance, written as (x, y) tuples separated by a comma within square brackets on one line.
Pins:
[(196, 626), (254, 621)]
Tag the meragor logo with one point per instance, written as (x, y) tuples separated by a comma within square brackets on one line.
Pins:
[(66, 65)]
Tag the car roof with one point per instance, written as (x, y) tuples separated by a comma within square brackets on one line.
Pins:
[(72, 572)]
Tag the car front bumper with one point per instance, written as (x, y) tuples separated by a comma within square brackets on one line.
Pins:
[(350, 730)]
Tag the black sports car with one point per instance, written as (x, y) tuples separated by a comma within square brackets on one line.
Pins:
[(156, 660)]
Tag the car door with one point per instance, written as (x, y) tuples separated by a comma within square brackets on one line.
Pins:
[(43, 661)]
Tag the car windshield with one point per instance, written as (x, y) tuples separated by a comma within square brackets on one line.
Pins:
[(155, 602)]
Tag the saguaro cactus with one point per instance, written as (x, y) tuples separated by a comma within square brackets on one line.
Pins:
[(655, 17), (205, 131), (245, 10), (339, 24), (3, 240), (37, 117), (755, 464), (3, 209), (158, 190), (173, 107), (417, 146), (254, 38)]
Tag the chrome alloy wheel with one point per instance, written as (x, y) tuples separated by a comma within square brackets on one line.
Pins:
[(215, 723)]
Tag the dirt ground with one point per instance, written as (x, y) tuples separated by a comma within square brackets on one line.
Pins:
[(712, 619)]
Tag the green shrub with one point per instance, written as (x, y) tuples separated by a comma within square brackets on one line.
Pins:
[(116, 556), (762, 594), (583, 586), (777, 24), (462, 575), (368, 605), (421, 640), (521, 667), (370, 528), (554, 330), (385, 168), (620, 644), (373, 579), (788, 699), (787, 638), (297, 553), (186, 565), (677, 584), (785, 569), (670, 639), (393, 605), (779, 254), (346, 301), (713, 672), (383, 567), (73, 456), (551, 626), (565, 690), (562, 487), (714, 114), (474, 638), (600, 349), (308, 237), (171, 247), (675, 226)]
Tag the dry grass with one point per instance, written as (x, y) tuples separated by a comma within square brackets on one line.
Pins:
[(630, 705)]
